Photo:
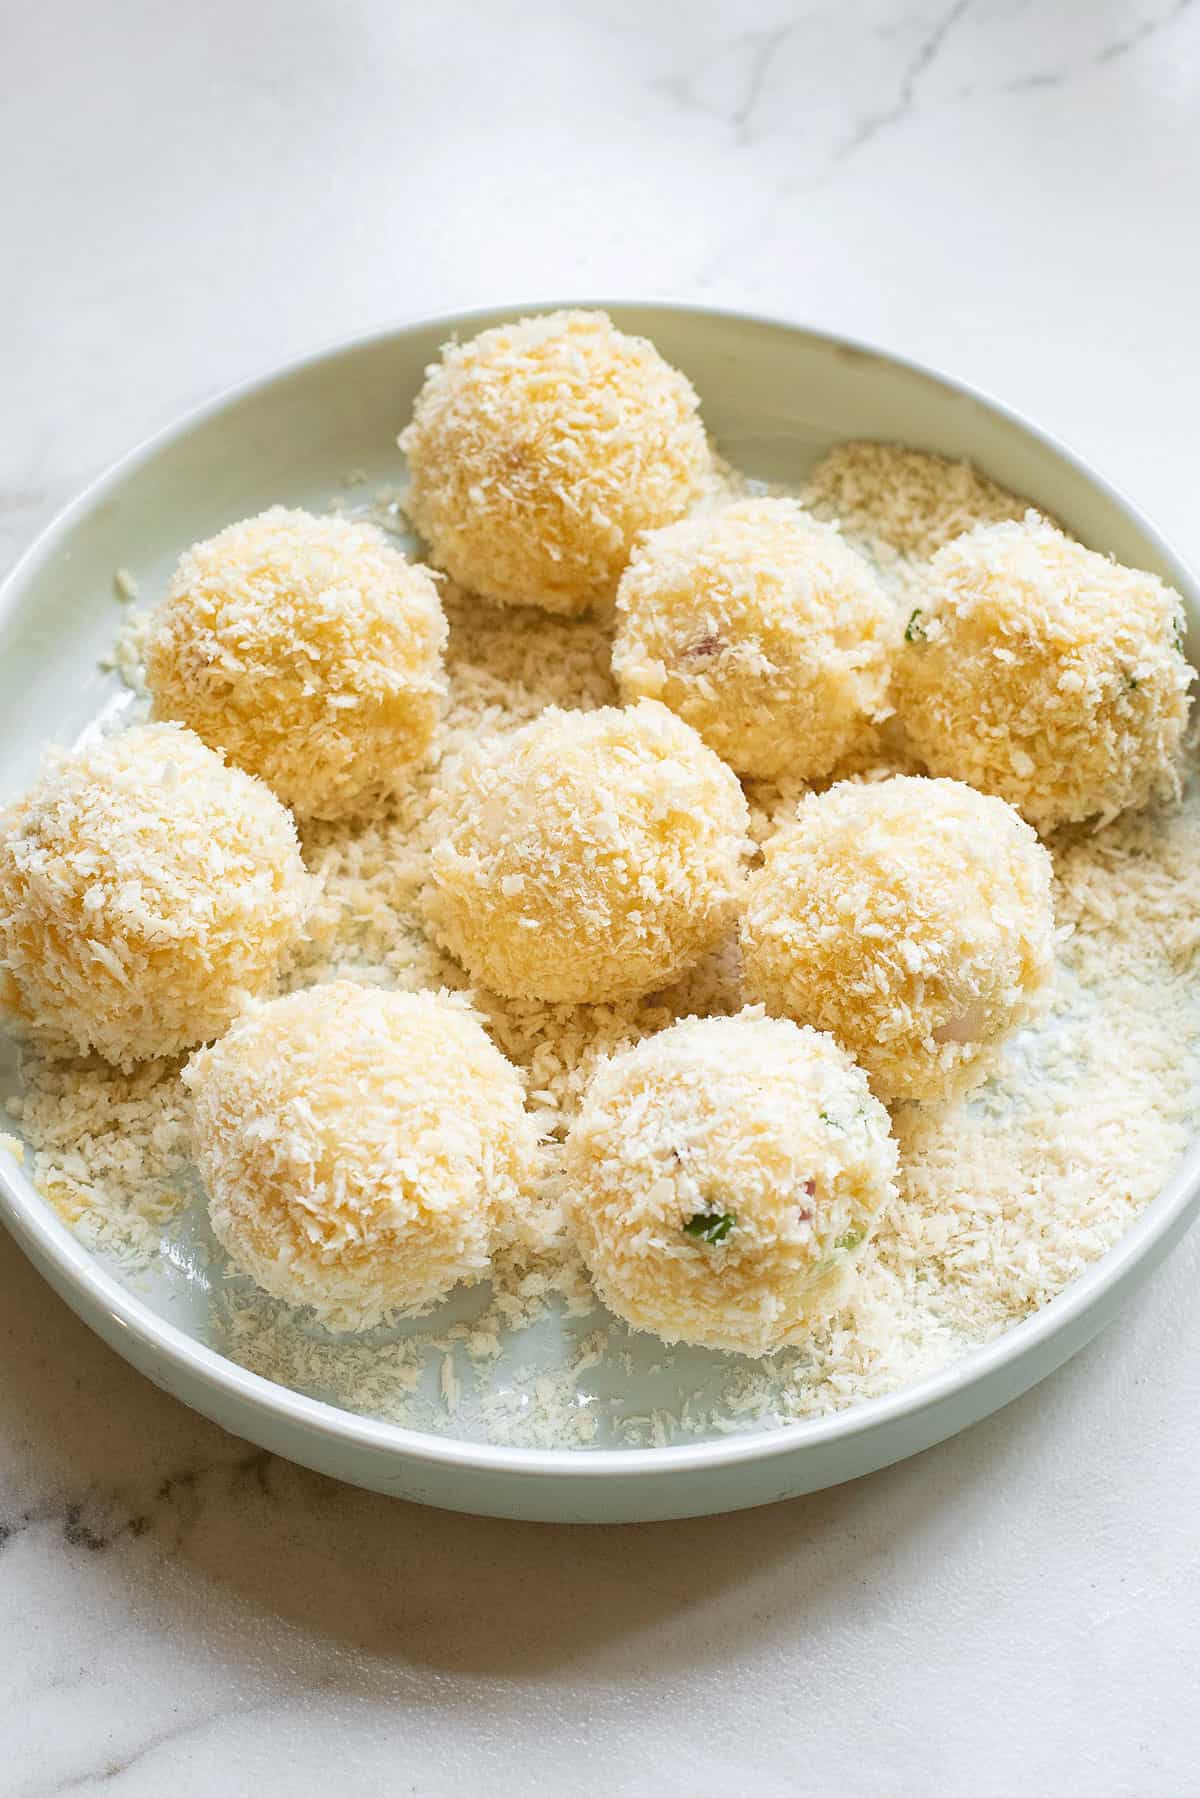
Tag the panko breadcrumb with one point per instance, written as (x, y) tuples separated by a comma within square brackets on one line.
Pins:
[(146, 891), (723, 1178), (587, 856), (1042, 672), (905, 503), (362, 1150), (910, 918), (538, 451), (761, 628), (309, 650)]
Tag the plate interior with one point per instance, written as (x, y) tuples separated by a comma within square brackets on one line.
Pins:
[(775, 399)]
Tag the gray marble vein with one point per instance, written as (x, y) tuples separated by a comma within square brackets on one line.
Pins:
[(870, 127), (749, 59), (1109, 52)]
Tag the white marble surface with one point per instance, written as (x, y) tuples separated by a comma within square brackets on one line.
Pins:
[(1008, 189)]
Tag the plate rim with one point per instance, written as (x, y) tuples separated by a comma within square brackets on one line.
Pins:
[(40, 1232)]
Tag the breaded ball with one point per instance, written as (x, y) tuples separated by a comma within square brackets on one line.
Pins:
[(146, 891), (723, 1177), (763, 629), (587, 856), (539, 450), (1045, 673), (361, 1150), (310, 651), (912, 919)]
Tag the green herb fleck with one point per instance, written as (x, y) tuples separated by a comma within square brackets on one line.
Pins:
[(710, 1226), (914, 632), (1131, 680), (827, 1117), (1178, 638), (850, 1239)]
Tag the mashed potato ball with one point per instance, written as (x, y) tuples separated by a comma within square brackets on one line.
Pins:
[(763, 629), (361, 1150), (1043, 672), (310, 651), (539, 450), (911, 919), (723, 1177), (588, 856), (146, 890)]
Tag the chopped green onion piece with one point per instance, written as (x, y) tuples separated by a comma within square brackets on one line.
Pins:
[(850, 1240), (831, 1121), (914, 632), (710, 1226), (1179, 636)]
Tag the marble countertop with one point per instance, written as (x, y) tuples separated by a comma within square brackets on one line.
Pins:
[(1003, 188)]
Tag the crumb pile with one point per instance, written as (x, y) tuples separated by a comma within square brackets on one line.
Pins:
[(146, 890), (900, 505), (763, 629), (724, 1176), (539, 450), (1004, 1196), (911, 918), (1045, 673), (362, 1150), (310, 651)]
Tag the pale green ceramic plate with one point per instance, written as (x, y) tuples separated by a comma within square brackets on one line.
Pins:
[(774, 397)]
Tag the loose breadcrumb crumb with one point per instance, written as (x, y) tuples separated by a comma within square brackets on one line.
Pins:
[(109, 1150), (900, 505)]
